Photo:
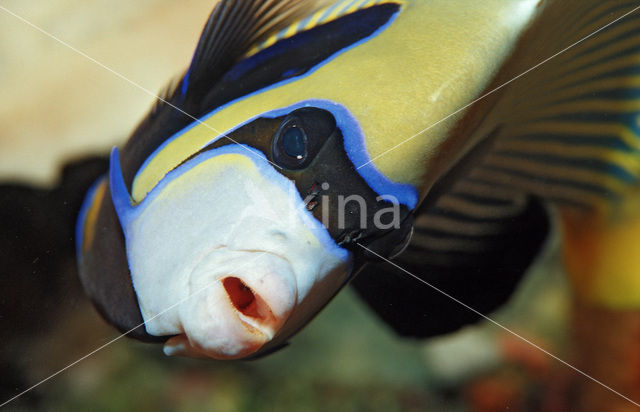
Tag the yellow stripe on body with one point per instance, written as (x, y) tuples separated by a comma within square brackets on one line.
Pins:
[(568, 76), (578, 92), (314, 20), (594, 70), (540, 170), (585, 129), (293, 29), (602, 257), (427, 46), (601, 252), (562, 97), (338, 11), (627, 161), (570, 31), (357, 5), (605, 36), (318, 18), (583, 16), (586, 105), (91, 218), (540, 188)]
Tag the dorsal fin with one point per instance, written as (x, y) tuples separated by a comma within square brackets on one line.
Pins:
[(233, 28), (322, 16)]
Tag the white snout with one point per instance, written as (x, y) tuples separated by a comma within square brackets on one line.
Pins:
[(224, 257), (238, 302)]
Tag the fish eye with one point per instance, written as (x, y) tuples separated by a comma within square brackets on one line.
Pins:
[(290, 145), (294, 143)]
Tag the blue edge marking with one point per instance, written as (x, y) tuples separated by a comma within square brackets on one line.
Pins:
[(354, 140), (82, 216), (127, 212), (353, 137)]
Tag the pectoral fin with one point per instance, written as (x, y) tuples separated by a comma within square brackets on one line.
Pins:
[(474, 248)]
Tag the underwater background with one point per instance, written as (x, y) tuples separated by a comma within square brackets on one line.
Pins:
[(57, 106)]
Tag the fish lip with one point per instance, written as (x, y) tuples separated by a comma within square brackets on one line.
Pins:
[(249, 322), (263, 329), (267, 324)]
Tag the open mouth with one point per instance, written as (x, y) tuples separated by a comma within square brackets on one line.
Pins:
[(253, 310), (241, 296)]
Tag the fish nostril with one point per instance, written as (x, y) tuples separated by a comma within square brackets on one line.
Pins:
[(242, 297)]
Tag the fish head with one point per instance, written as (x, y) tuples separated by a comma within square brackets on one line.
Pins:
[(240, 245), (237, 228)]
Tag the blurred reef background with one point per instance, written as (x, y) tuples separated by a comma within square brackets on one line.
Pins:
[(57, 107)]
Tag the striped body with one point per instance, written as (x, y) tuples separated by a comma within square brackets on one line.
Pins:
[(572, 136), (566, 134), (415, 83)]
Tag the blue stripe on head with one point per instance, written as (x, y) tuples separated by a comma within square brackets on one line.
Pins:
[(354, 145), (120, 196), (127, 212), (256, 59)]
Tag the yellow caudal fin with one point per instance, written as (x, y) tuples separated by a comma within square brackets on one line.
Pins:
[(602, 258)]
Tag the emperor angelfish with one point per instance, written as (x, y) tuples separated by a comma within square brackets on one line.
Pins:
[(304, 141)]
